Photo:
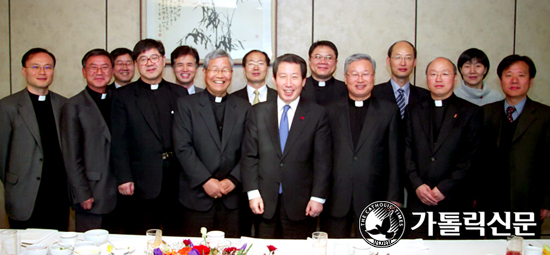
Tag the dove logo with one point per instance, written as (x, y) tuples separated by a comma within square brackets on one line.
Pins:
[(382, 224)]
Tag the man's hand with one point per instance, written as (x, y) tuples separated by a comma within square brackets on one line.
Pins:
[(212, 188), (226, 186), (126, 189), (544, 213), (87, 205), (256, 205), (438, 195), (425, 194), (397, 203), (313, 208)]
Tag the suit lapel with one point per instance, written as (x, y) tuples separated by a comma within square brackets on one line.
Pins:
[(271, 121), (207, 115), (26, 111), (425, 121), (146, 107), (527, 117), (229, 118), (343, 119), (449, 120), (388, 90), (95, 113), (299, 121)]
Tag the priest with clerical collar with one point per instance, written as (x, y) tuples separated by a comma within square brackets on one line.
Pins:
[(208, 132), (442, 137)]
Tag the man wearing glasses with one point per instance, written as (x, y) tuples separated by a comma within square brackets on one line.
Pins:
[(124, 68), (256, 67), (321, 87), (402, 60), (142, 152), (31, 163), (86, 139)]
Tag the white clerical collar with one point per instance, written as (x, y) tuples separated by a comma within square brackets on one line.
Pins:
[(41, 98), (358, 103), (438, 103), (103, 96), (218, 99), (322, 84), (154, 86)]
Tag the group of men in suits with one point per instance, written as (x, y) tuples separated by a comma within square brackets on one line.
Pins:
[(140, 155)]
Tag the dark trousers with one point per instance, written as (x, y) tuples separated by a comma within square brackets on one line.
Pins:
[(45, 217), (341, 227), (280, 226), (85, 221), (217, 218)]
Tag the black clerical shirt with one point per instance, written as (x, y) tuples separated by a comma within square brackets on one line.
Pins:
[(162, 106), (321, 94), (219, 110), (357, 117), (104, 104), (438, 114)]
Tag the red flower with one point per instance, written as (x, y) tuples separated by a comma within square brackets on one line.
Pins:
[(229, 250), (203, 250), (187, 242), (272, 248)]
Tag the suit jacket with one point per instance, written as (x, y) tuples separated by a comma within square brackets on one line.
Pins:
[(197, 89), (242, 93), (136, 145), (385, 91), (202, 154), (446, 163), (303, 168), (111, 87), (524, 185), (372, 171), (86, 141), (21, 152), (335, 90)]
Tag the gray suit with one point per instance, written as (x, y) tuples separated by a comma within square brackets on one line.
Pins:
[(21, 152), (86, 141)]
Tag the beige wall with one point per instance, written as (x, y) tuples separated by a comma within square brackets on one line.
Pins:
[(440, 28)]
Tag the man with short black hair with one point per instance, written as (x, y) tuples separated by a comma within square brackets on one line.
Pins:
[(185, 64), (142, 153), (256, 67), (123, 69), (321, 87), (31, 162), (86, 140)]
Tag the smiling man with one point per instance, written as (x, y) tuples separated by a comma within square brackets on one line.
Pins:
[(31, 163), (124, 68), (86, 140), (321, 87), (402, 61), (286, 158), (185, 64), (516, 142), (442, 137), (142, 153), (366, 148), (208, 132), (256, 66)]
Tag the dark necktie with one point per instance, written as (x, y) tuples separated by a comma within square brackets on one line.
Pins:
[(401, 102), (509, 112)]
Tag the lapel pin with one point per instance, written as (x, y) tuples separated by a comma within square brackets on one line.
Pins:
[(302, 118), (172, 112), (455, 116)]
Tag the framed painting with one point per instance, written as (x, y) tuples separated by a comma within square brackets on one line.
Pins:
[(236, 26)]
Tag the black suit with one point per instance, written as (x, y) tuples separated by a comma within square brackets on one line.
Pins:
[(242, 93), (203, 155), (446, 162), (333, 90), (369, 172), (86, 141), (111, 87), (385, 91), (137, 146), (304, 167), (517, 164)]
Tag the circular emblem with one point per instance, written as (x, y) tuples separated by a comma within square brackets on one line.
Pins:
[(382, 224)]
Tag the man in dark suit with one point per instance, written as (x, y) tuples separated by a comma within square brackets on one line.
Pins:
[(286, 159), (208, 132), (141, 146), (398, 90), (123, 69), (31, 163), (256, 66), (441, 138), (516, 145), (185, 64), (321, 87), (366, 148), (86, 140)]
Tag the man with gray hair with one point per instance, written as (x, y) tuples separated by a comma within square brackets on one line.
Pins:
[(208, 132), (365, 138)]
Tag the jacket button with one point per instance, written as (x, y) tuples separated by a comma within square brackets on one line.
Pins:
[(281, 165), (38, 178), (432, 159), (41, 159), (354, 158)]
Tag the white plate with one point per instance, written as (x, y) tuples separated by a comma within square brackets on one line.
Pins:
[(128, 246)]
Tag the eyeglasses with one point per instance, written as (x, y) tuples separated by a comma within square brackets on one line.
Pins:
[(406, 58), (124, 63), (258, 64), (224, 71), (94, 69), (356, 76), (37, 68), (328, 58), (154, 59)]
